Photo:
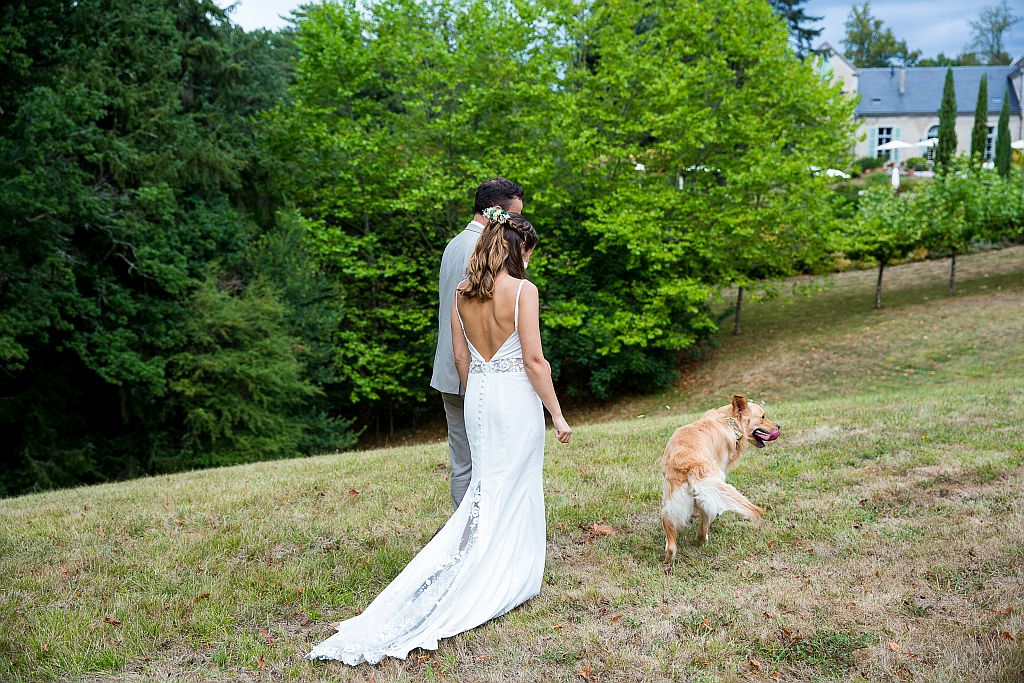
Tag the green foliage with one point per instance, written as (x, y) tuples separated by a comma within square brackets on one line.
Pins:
[(398, 115), (1002, 151), (917, 163), (947, 215), (800, 23), (963, 59), (130, 173), (867, 44), (234, 409), (868, 163), (886, 226), (946, 148), (979, 132)]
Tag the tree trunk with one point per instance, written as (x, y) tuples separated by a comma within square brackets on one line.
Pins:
[(952, 274), (739, 307), (878, 287)]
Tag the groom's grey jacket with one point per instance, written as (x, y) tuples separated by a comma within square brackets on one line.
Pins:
[(453, 270)]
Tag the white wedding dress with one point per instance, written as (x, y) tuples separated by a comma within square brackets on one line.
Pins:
[(489, 556)]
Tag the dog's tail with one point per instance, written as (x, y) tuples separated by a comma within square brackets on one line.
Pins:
[(715, 497)]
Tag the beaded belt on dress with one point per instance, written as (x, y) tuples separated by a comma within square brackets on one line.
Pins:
[(500, 365)]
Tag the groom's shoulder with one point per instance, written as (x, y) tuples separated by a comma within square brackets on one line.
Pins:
[(461, 242)]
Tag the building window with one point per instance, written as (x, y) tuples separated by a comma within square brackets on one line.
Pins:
[(933, 132), (990, 142), (884, 136)]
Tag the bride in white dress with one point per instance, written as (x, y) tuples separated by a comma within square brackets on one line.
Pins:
[(489, 557)]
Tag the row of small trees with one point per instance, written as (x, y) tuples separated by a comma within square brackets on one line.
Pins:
[(964, 204)]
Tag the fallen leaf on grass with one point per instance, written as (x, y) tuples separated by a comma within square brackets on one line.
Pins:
[(755, 665), (266, 636), (1004, 612), (422, 658), (894, 646), (113, 621), (600, 529), (260, 664), (46, 648), (558, 627), (614, 618), (586, 674), (482, 658), (352, 493), (1007, 635)]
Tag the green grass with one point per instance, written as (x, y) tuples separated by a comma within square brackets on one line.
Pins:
[(892, 547)]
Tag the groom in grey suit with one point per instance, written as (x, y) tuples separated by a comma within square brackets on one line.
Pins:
[(494, 192)]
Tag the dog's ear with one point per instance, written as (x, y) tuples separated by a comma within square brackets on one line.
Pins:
[(739, 403)]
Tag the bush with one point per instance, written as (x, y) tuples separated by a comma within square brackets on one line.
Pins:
[(868, 163), (917, 163)]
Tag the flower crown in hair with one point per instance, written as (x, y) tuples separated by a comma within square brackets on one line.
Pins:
[(495, 214)]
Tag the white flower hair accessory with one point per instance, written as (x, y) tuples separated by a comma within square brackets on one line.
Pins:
[(495, 214)]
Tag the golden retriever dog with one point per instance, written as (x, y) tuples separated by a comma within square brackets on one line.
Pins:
[(696, 460)]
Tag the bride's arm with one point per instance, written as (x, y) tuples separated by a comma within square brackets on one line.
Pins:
[(459, 345), (537, 368)]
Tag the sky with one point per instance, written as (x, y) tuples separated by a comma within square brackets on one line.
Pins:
[(931, 26)]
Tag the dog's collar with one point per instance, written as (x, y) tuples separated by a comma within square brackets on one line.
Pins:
[(737, 432)]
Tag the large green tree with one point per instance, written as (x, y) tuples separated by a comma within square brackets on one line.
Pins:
[(868, 43), (653, 142)]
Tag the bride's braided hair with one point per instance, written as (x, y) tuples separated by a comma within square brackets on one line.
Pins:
[(501, 245)]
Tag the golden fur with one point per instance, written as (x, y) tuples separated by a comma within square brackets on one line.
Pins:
[(696, 460)]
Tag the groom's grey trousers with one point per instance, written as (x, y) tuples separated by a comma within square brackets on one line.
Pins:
[(458, 445), (446, 378)]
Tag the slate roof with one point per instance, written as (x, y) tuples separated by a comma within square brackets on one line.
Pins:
[(924, 90)]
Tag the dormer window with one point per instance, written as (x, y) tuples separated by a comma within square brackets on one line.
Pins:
[(876, 100)]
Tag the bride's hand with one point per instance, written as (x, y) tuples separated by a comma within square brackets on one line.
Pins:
[(562, 429)]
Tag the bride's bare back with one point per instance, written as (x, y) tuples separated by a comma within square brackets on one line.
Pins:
[(490, 323)]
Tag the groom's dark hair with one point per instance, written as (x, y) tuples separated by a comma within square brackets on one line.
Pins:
[(496, 192)]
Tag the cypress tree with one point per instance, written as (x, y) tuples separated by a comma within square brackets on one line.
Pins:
[(1003, 137), (946, 148), (979, 134)]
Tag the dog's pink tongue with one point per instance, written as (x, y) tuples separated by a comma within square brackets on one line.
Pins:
[(773, 435)]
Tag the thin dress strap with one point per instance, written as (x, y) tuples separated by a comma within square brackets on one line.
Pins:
[(458, 312), (517, 302)]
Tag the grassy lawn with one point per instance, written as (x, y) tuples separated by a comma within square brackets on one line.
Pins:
[(892, 546)]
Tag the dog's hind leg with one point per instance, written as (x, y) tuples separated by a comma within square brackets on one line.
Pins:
[(705, 525), (671, 533)]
